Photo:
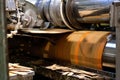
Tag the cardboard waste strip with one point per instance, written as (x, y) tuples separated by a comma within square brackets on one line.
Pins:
[(18, 72), (72, 73)]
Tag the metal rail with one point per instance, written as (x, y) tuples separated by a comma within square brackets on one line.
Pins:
[(3, 45)]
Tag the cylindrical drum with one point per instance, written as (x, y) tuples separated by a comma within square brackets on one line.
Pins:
[(88, 11), (91, 11), (49, 10), (74, 13), (84, 48)]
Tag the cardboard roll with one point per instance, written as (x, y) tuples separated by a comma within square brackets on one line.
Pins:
[(84, 48)]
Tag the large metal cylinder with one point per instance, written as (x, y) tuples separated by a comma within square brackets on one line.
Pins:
[(91, 11), (84, 48), (74, 13), (49, 10), (87, 11)]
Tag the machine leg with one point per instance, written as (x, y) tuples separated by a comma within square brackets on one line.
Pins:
[(3, 43)]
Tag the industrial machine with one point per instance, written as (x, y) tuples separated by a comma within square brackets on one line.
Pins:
[(76, 32)]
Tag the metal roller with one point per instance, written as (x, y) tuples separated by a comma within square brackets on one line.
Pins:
[(52, 12), (49, 10), (63, 16), (109, 54), (71, 16), (84, 48), (77, 13), (55, 12), (82, 12), (92, 11)]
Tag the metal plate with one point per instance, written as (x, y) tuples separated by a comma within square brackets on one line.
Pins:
[(47, 31)]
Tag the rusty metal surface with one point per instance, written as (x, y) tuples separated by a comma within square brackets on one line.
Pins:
[(81, 48)]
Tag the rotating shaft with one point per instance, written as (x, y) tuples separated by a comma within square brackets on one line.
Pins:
[(74, 13)]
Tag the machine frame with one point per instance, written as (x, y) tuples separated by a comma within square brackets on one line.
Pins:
[(3, 44), (3, 40), (115, 21)]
